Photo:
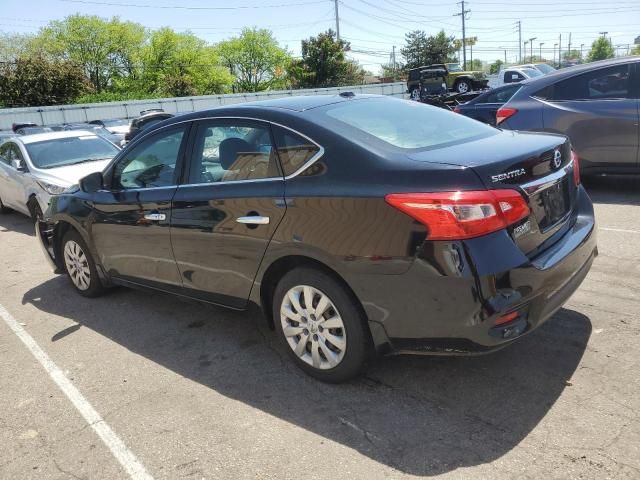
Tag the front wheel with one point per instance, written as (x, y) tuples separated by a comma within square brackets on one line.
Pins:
[(321, 325), (80, 267), (463, 86)]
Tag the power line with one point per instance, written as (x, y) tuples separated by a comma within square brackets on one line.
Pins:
[(184, 7)]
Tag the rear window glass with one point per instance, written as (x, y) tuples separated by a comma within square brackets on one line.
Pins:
[(407, 124), (605, 83), (294, 151), (500, 95)]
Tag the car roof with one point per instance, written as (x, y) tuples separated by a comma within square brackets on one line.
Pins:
[(39, 137), (306, 102), (553, 77)]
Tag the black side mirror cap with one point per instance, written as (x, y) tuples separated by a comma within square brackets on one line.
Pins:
[(92, 182)]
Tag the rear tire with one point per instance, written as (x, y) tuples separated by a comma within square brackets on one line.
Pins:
[(325, 328), (80, 267)]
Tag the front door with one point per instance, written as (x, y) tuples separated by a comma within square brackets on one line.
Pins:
[(13, 183), (225, 215), (132, 216)]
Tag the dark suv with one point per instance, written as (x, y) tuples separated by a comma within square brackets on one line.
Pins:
[(595, 105)]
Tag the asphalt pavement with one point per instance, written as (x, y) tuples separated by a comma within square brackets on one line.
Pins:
[(193, 391)]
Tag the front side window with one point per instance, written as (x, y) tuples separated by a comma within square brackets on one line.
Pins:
[(152, 163), (512, 77), (601, 84), (404, 124), (293, 150), (60, 152), (4, 153), (454, 67), (232, 150)]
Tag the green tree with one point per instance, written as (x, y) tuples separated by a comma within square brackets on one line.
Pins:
[(600, 49), (14, 46), (636, 50), (495, 66), (36, 81), (324, 63), (571, 55), (256, 60), (422, 50), (180, 64), (105, 49)]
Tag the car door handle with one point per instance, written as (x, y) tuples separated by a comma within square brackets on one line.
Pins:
[(253, 220), (155, 217)]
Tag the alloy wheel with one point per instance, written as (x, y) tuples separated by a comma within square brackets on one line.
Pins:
[(463, 87), (77, 265), (313, 327)]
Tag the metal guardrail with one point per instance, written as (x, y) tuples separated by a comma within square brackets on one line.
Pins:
[(128, 109)]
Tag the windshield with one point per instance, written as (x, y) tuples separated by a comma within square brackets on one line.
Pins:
[(532, 72), (68, 151), (544, 68), (406, 124), (454, 67)]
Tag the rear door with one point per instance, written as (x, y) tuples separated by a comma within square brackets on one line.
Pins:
[(130, 229), (226, 213), (13, 183), (599, 114)]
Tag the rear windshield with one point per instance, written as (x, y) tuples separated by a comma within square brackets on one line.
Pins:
[(69, 151), (544, 68), (407, 124)]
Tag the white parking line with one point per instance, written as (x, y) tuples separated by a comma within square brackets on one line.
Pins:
[(621, 230), (127, 459)]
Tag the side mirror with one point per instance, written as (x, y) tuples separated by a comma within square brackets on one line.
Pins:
[(18, 165), (92, 182)]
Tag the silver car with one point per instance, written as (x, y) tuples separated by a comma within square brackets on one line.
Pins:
[(34, 167)]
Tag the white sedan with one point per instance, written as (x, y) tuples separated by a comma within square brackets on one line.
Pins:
[(34, 167)]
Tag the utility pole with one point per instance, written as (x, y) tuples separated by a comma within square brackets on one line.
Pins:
[(554, 54), (581, 46), (393, 61), (462, 13), (519, 41), (335, 2), (525, 50), (540, 51), (560, 52), (569, 46), (531, 47)]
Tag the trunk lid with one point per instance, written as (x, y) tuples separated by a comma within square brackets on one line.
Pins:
[(538, 165)]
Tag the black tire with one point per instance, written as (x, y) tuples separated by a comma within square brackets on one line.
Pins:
[(36, 211), (4, 209), (357, 337), (463, 86), (94, 286)]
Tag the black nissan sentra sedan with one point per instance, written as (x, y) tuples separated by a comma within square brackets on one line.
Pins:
[(360, 224)]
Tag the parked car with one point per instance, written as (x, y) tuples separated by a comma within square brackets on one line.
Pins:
[(35, 167), (33, 130), (513, 75), (4, 136), (595, 105), (147, 119), (485, 106), (457, 79), (116, 126), (359, 223), (115, 138)]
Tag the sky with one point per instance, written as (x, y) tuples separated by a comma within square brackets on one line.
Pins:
[(373, 27)]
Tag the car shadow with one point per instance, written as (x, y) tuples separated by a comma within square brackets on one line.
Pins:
[(613, 189), (420, 415), (16, 222)]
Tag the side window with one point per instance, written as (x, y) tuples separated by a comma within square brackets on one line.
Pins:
[(294, 150), (606, 83), (232, 150), (16, 154), (4, 154), (152, 163)]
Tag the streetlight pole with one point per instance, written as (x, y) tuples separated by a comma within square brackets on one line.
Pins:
[(531, 46), (540, 51), (554, 54), (525, 49), (581, 58)]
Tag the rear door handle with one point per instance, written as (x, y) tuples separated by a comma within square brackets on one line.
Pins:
[(155, 217), (253, 220)]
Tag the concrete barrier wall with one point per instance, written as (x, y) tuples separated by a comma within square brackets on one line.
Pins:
[(129, 109)]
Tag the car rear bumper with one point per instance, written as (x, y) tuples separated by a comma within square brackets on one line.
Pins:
[(450, 299)]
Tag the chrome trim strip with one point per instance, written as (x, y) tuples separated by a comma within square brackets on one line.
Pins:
[(253, 220), (536, 186)]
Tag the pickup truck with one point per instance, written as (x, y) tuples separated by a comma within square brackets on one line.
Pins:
[(512, 75)]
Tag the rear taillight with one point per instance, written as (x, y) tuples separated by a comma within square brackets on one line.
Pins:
[(457, 109), (504, 113), (460, 215), (576, 167)]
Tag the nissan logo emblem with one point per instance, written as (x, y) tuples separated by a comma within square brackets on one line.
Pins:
[(557, 159)]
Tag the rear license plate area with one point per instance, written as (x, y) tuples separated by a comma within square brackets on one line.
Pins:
[(552, 204)]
